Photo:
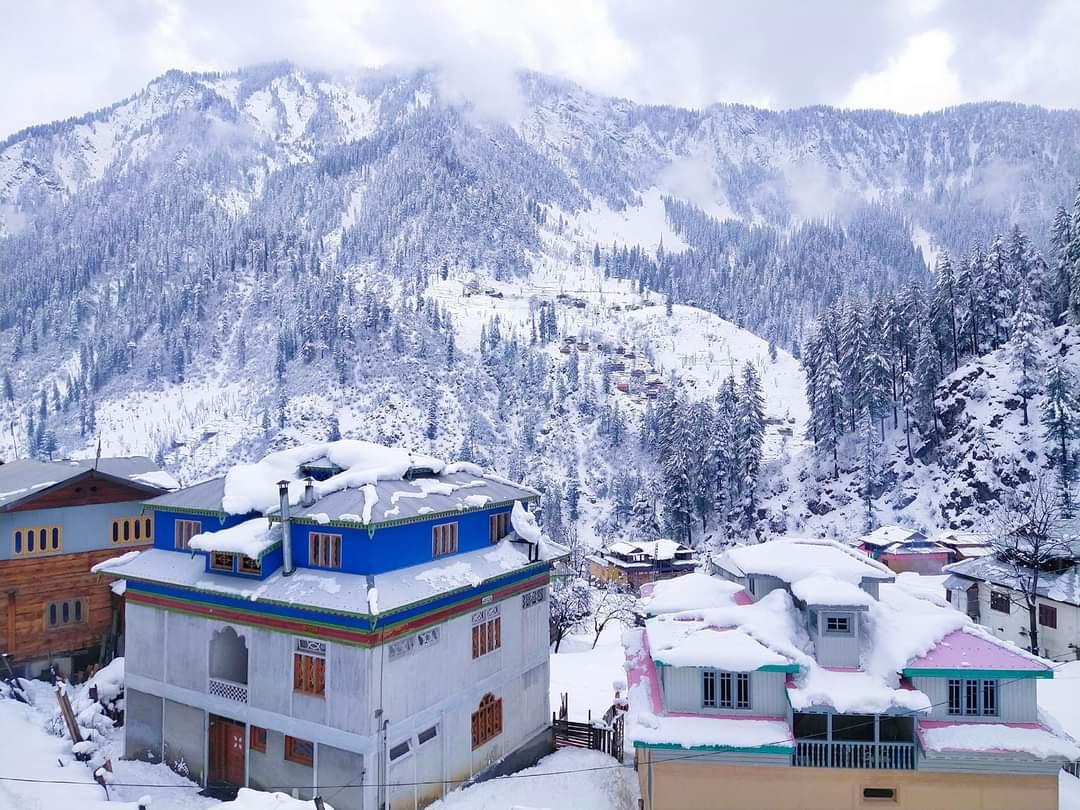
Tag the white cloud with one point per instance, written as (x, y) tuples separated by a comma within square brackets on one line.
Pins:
[(917, 80)]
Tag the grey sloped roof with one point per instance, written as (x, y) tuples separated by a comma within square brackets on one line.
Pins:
[(1063, 586), (23, 478), (402, 499), (203, 497)]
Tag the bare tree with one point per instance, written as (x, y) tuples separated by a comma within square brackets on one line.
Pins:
[(571, 603), (1027, 538), (611, 605)]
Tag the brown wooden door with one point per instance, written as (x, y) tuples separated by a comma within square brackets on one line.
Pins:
[(227, 739)]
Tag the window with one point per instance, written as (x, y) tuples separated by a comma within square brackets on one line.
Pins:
[(221, 561), (258, 739), (132, 530), (299, 751), (838, 625), (879, 794), (427, 735), (725, 690), (498, 527), (185, 530), (973, 697), (309, 667), (443, 539), (486, 631), (400, 750), (708, 689), (486, 721), (1048, 616), (66, 612), (249, 566), (750, 587), (999, 601), (324, 550), (37, 540)]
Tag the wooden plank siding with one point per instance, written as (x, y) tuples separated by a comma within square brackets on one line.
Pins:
[(82, 491), (29, 584)]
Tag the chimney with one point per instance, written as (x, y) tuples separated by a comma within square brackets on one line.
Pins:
[(309, 493), (286, 540)]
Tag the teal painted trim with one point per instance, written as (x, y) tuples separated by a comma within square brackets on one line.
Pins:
[(760, 749), (989, 674), (779, 668), (424, 518)]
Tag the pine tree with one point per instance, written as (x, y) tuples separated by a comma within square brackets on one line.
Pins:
[(828, 405), (944, 306), (751, 426), (871, 469), (1025, 351), (1061, 425), (333, 433), (926, 378), (432, 420), (9, 390)]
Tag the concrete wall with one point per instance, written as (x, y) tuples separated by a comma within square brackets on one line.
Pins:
[(338, 768), (1017, 701), (142, 726), (271, 771), (85, 528), (185, 739), (1061, 643), (682, 692), (145, 641), (692, 785)]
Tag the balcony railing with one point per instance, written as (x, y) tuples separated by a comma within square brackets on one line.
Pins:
[(219, 687), (891, 756)]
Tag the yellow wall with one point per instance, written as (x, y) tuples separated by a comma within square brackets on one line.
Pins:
[(707, 786)]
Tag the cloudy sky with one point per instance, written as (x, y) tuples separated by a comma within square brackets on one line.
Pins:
[(64, 57)]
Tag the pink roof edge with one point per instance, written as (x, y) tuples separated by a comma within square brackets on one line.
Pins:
[(963, 650)]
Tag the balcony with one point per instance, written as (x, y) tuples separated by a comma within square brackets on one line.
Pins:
[(229, 690), (889, 756)]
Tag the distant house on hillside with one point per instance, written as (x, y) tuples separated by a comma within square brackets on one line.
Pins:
[(57, 519), (902, 549), (341, 614), (631, 565), (987, 590), (965, 545), (819, 682)]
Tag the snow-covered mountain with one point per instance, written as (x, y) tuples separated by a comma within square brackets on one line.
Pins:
[(224, 262)]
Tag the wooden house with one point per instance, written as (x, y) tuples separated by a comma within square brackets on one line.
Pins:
[(903, 549), (373, 620), (631, 565), (823, 683), (57, 519)]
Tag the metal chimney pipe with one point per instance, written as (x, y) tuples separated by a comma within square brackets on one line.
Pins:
[(309, 493), (286, 539)]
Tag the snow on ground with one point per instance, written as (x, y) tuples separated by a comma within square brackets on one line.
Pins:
[(644, 225), (1068, 792), (588, 675), (570, 779), (1057, 698)]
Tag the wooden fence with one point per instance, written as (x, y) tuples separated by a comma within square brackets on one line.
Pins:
[(605, 734)]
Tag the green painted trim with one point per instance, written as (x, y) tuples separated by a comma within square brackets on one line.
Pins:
[(767, 668), (779, 668), (989, 674), (187, 510), (427, 516), (760, 749)]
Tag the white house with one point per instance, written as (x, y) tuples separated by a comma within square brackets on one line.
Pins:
[(340, 619)]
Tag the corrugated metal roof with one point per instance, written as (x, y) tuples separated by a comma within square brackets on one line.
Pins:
[(22, 478), (400, 500), (204, 497)]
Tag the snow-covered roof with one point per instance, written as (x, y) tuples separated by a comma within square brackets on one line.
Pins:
[(792, 559), (1060, 587), (848, 691), (825, 590), (656, 549), (887, 535), (688, 592), (729, 649), (973, 649), (962, 539), (327, 590), (996, 738), (373, 484), (252, 538), (22, 478)]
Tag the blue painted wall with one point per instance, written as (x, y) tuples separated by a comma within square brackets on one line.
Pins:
[(387, 549), (85, 528)]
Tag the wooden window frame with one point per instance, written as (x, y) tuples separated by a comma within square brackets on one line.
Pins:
[(309, 674), (973, 697), (444, 539), (257, 739), (249, 566), (131, 530), (44, 539), (486, 637), (74, 605), (1047, 616), (486, 721), (999, 598), (498, 527), (292, 755), (324, 550), (217, 561), (183, 531), (708, 689)]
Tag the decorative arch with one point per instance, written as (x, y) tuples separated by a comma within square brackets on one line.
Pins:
[(486, 720), (228, 656)]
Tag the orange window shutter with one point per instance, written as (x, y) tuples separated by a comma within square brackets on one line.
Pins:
[(298, 672), (475, 642), (498, 633)]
